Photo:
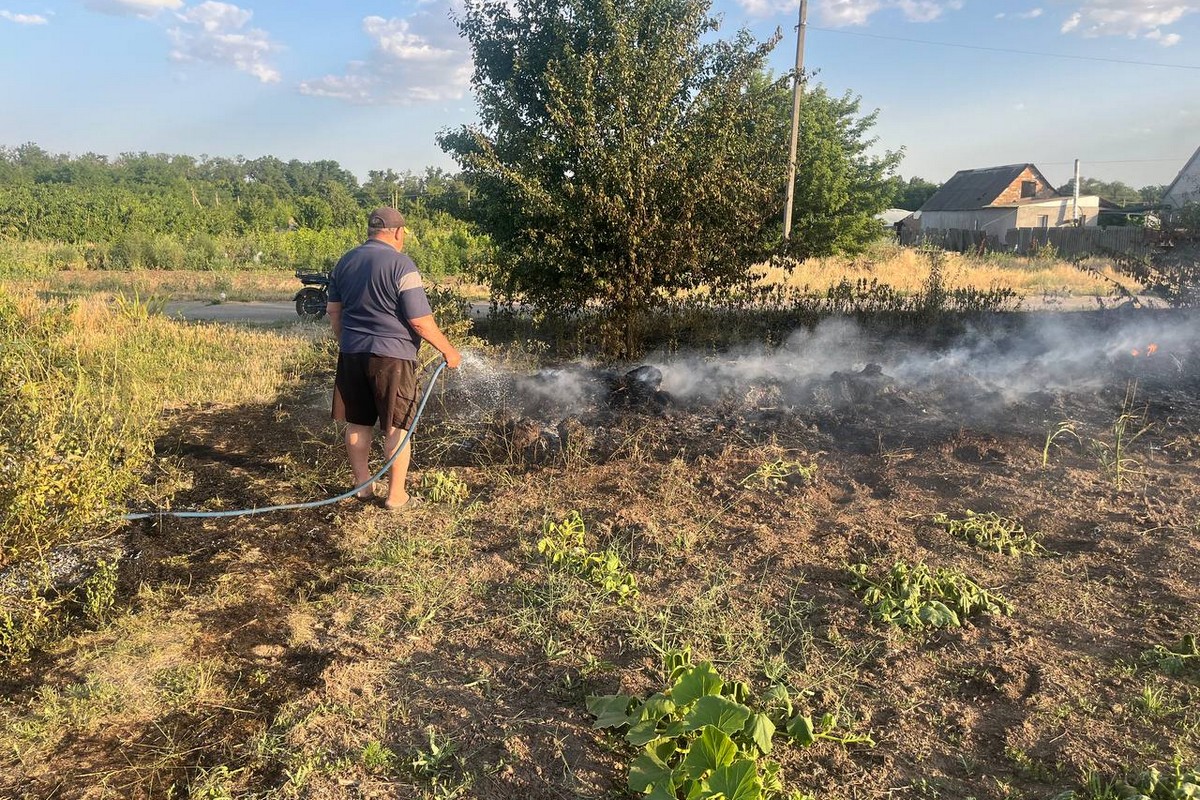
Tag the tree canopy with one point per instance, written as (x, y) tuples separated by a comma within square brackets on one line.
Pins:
[(622, 155), (1115, 191), (913, 193), (626, 154)]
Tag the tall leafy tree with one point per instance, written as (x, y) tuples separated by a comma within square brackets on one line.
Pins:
[(913, 193), (623, 153), (841, 183)]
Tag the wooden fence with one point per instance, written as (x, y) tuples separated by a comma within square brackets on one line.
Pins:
[(1066, 242)]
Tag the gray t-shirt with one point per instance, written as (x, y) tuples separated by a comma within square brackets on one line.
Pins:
[(380, 291)]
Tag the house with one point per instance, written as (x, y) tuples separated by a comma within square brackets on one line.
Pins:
[(997, 199), (1186, 186)]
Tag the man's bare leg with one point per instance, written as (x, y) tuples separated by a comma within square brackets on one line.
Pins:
[(397, 493), (358, 450)]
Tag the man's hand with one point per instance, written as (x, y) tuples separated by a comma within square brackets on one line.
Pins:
[(427, 328)]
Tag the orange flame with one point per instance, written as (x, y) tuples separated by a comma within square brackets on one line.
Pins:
[(1152, 349)]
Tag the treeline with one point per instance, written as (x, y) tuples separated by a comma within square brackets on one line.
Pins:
[(161, 211)]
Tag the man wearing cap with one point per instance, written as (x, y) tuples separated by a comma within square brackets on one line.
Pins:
[(380, 314)]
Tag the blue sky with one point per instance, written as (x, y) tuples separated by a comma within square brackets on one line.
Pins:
[(369, 83)]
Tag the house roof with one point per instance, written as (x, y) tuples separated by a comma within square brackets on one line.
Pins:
[(972, 189), (1186, 169), (893, 215)]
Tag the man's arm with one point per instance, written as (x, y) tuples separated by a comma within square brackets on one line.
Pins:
[(427, 328), (334, 310)]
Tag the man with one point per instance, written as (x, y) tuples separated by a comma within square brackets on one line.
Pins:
[(380, 314)]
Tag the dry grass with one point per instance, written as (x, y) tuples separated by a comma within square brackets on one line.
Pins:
[(236, 286), (907, 269), (177, 284), (182, 364)]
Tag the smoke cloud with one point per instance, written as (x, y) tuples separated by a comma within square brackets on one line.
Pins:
[(1004, 362)]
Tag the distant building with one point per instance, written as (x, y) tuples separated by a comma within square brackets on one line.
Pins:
[(893, 215), (997, 199), (1186, 186)]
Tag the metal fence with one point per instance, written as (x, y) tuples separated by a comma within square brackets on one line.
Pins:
[(1066, 242)]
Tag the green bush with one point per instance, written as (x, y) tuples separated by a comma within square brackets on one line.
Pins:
[(205, 252)]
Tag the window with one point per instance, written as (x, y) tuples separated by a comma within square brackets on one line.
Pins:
[(1044, 221), (1028, 189)]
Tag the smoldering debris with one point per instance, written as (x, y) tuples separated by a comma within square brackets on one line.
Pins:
[(838, 371)]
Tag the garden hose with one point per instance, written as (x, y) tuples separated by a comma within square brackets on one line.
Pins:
[(246, 512)]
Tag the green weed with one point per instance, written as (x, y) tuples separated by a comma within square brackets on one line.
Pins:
[(778, 473), (562, 544), (437, 762), (1184, 657), (915, 598), (1176, 783), (100, 593), (1066, 428), (444, 487), (991, 532), (1129, 426), (376, 757)]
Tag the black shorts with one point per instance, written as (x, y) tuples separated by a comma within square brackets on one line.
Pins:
[(370, 388)]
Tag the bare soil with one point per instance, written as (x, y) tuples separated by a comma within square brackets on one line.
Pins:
[(356, 653)]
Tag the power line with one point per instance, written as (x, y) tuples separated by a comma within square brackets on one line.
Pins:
[(1122, 161), (1007, 50)]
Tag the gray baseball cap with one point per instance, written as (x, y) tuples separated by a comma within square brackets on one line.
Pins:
[(384, 218)]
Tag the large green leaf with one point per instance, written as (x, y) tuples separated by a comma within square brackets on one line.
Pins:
[(647, 771), (738, 781), (662, 791), (801, 729), (759, 729), (696, 682), (938, 615), (657, 706), (712, 749), (610, 711), (717, 711), (642, 733)]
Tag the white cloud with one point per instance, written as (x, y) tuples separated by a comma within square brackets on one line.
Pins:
[(23, 19), (415, 59), (1032, 13), (1165, 39), (839, 13), (216, 33), (139, 8), (1132, 18)]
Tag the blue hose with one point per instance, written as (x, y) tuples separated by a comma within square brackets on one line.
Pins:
[(246, 512)]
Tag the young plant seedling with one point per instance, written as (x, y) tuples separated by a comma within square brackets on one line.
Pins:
[(705, 738)]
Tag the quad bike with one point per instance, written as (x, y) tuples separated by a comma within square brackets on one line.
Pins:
[(312, 299)]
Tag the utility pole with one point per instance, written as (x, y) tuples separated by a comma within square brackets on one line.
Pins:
[(797, 91), (1075, 202)]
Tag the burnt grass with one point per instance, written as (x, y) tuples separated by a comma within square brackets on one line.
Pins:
[(356, 653)]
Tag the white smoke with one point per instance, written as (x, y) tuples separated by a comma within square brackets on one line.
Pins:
[(1008, 360)]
